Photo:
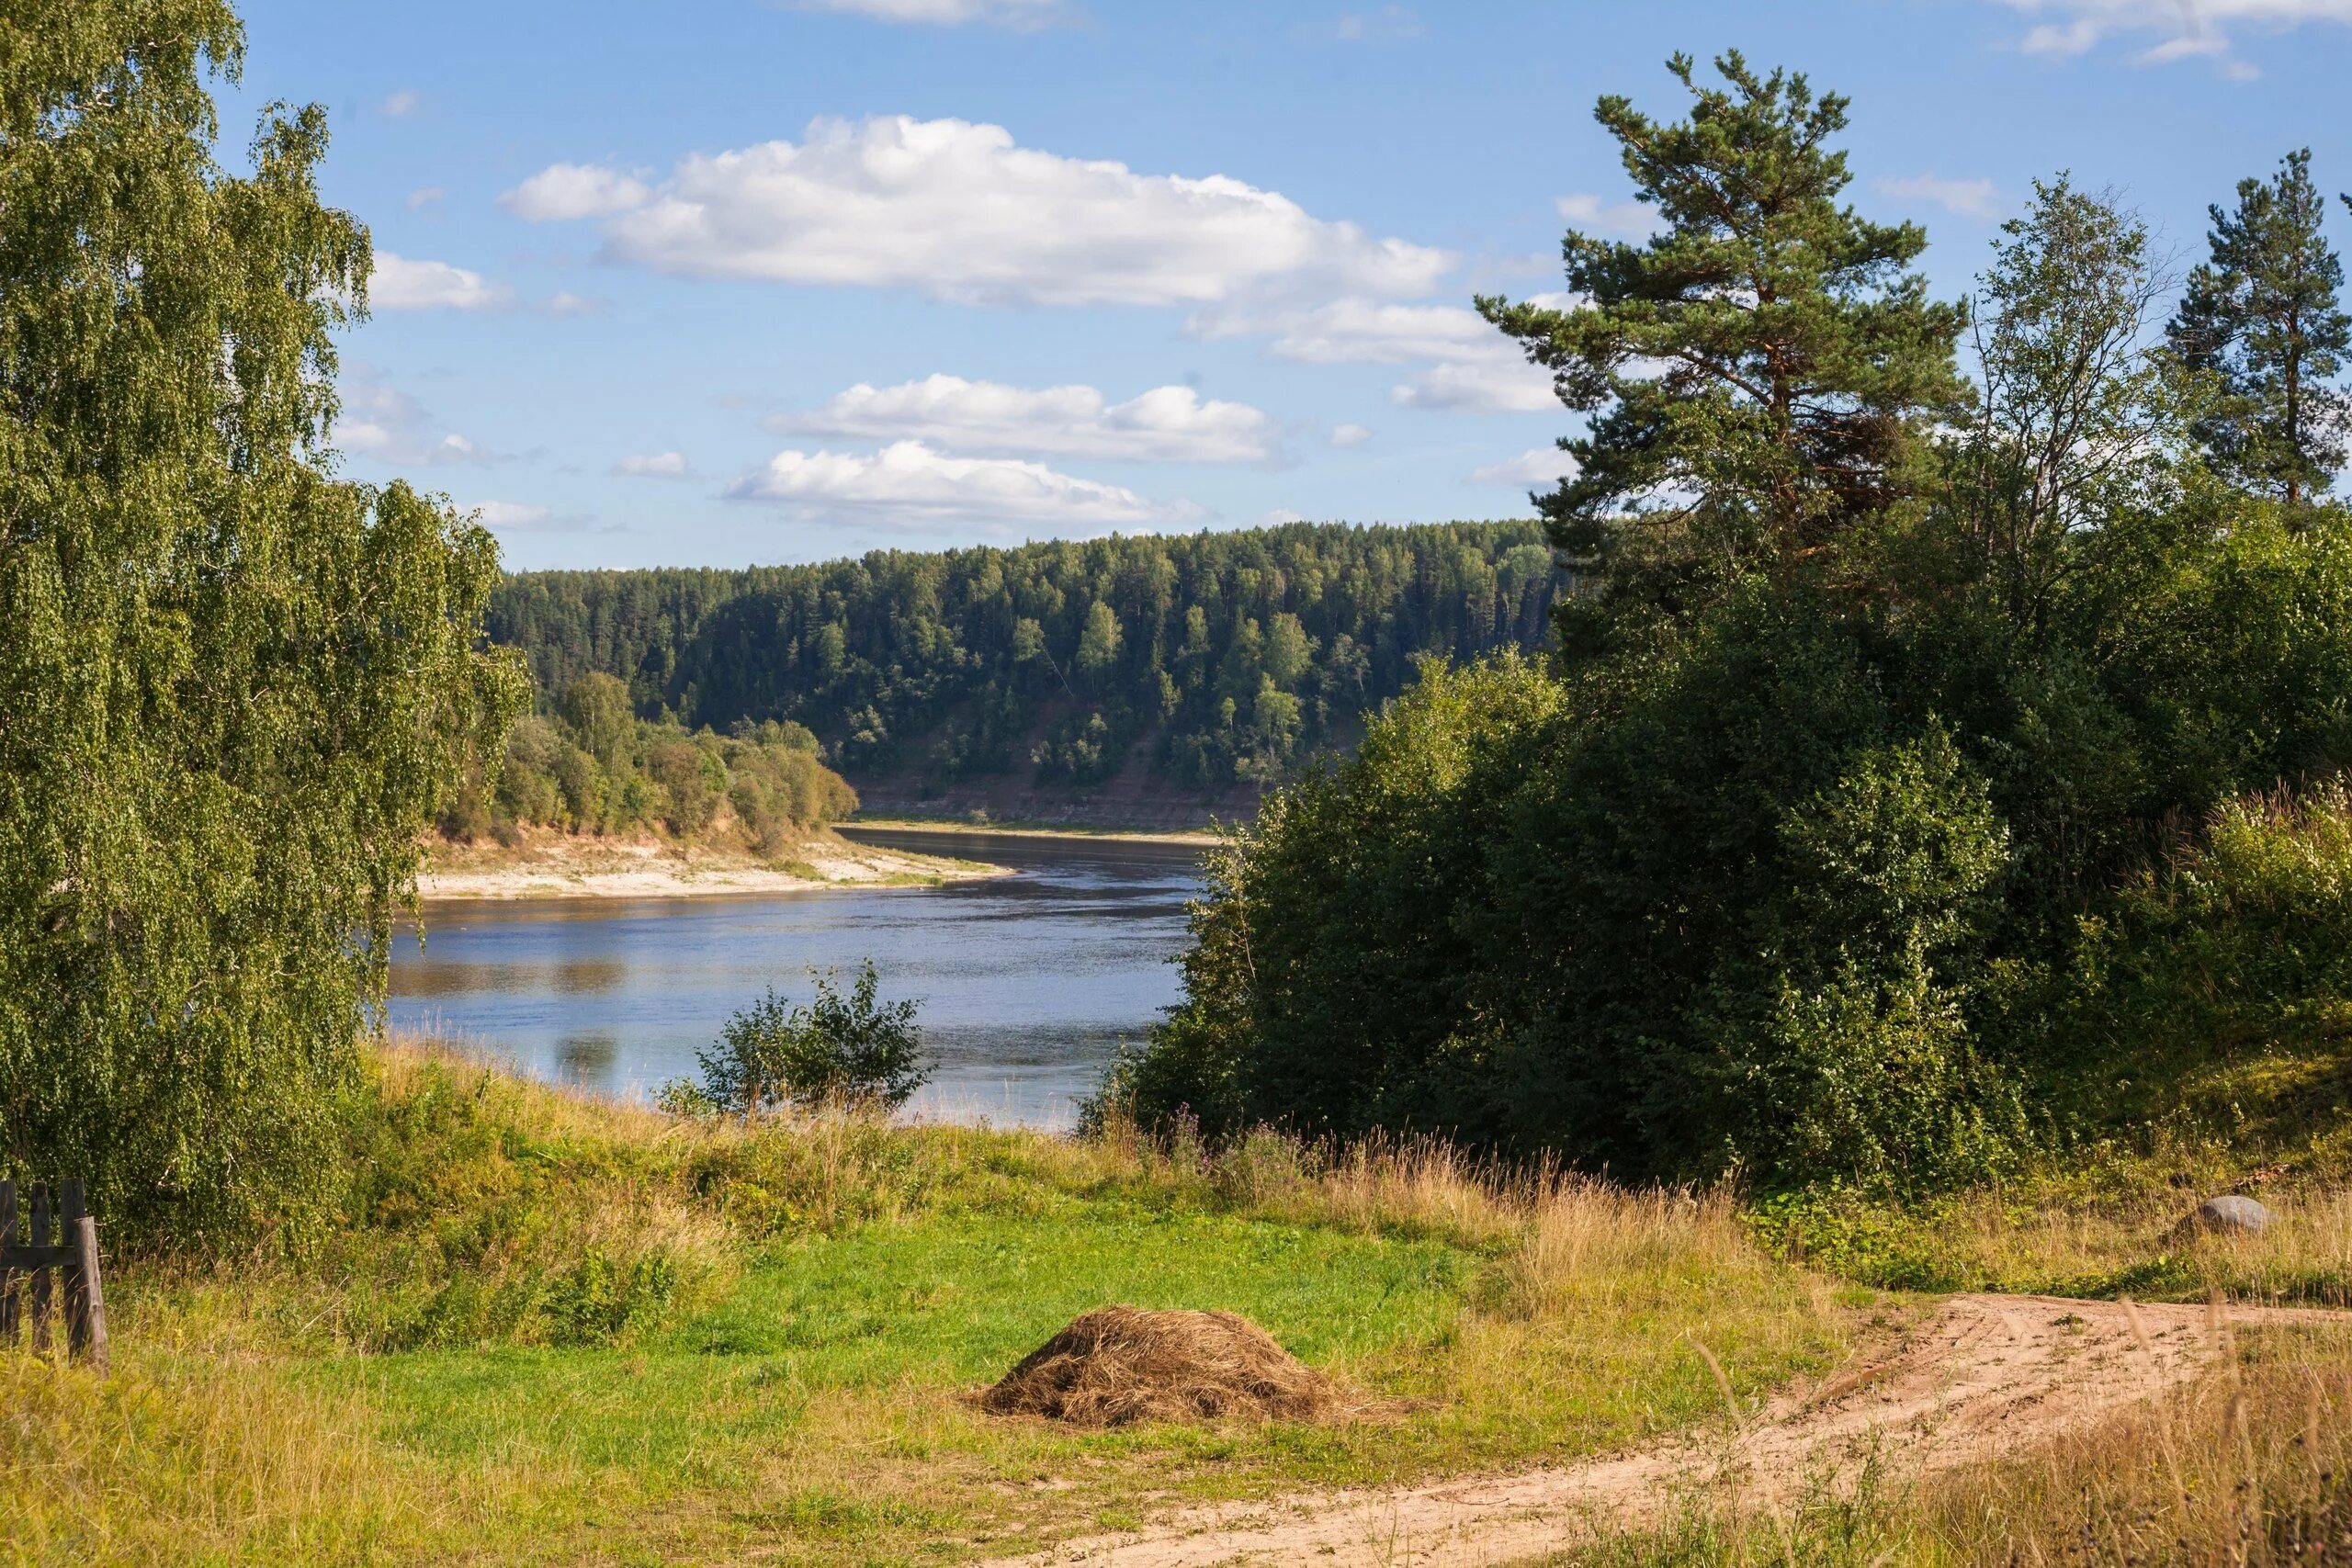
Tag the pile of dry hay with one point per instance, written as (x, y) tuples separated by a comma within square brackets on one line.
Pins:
[(1120, 1364)]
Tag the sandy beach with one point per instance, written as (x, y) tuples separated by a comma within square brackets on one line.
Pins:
[(601, 868), (989, 831)]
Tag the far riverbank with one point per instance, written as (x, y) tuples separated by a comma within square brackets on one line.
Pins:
[(952, 827), (569, 866)]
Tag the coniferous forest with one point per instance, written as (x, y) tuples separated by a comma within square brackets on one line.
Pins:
[(1207, 664)]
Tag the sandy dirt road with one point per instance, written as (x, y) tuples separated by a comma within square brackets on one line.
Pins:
[(1981, 1376)]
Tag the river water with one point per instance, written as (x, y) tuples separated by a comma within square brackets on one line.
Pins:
[(1028, 983)]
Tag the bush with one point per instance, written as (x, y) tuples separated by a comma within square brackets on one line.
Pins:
[(2235, 948), (1726, 911), (852, 1048)]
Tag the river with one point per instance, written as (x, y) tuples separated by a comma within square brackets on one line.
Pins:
[(1028, 983)]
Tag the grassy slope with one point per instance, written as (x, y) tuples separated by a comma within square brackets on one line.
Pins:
[(554, 1332), (2103, 1219)]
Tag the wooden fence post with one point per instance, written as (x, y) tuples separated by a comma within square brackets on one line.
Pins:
[(72, 1209), (7, 1275), (69, 1263), (41, 1291), (91, 1320)]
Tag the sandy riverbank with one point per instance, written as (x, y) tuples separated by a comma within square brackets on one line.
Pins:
[(603, 868), (991, 831)]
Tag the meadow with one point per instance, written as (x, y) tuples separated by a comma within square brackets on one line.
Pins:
[(544, 1328)]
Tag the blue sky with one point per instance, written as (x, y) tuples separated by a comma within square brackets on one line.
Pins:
[(717, 282)]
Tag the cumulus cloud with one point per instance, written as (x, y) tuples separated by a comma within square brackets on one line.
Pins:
[(2174, 29), (1541, 466), (1020, 13), (654, 466), (563, 302), (1966, 198), (1346, 436), (1628, 219), (508, 514), (1469, 364), (963, 214), (401, 104), (1503, 383), (426, 196), (1166, 425), (910, 483), (562, 192), (381, 422), (1356, 331), (400, 284)]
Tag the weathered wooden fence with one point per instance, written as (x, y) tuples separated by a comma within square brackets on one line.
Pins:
[(36, 1272)]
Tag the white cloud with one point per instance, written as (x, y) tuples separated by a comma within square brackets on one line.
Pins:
[(1544, 466), (1627, 220), (1369, 331), (1469, 364), (381, 422), (654, 466), (562, 192), (1390, 24), (908, 482), (962, 213), (1020, 13), (426, 197), (400, 283), (1966, 198), (1166, 425), (401, 104), (1503, 383), (1347, 435), (2180, 30), (1357, 332), (563, 302), (513, 514)]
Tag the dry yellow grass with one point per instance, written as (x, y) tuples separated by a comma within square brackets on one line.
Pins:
[(409, 1390)]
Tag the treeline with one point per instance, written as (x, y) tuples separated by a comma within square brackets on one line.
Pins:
[(1938, 765), (1208, 661), (593, 766)]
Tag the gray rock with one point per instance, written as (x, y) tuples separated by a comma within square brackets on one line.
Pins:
[(2230, 1216)]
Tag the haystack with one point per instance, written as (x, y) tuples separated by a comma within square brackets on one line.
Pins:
[(1121, 1364)]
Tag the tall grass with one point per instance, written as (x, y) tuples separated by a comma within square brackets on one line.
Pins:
[(549, 1328), (2069, 1233)]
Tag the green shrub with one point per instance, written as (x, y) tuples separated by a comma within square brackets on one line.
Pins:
[(851, 1048), (2235, 948)]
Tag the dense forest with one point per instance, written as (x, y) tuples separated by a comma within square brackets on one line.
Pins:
[(1941, 757), (1204, 663)]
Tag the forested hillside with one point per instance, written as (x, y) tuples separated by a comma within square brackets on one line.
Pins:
[(1203, 664), (1943, 765)]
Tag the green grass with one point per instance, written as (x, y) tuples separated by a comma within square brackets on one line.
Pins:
[(833, 1377), (558, 1332), (550, 1330), (2104, 1218)]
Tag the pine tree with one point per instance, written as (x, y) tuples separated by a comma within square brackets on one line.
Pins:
[(1760, 364), (2261, 319)]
